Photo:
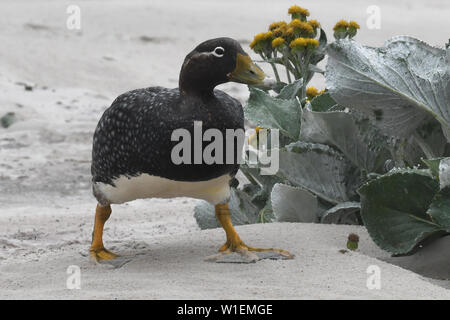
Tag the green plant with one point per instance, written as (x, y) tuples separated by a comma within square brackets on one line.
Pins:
[(353, 153), (403, 89), (297, 47)]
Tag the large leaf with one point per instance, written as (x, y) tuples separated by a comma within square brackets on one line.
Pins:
[(343, 213), (270, 112), (242, 211), (398, 86), (290, 91), (430, 139), (355, 137), (291, 204), (394, 209), (317, 168)]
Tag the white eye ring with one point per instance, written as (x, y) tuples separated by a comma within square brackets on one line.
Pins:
[(218, 52)]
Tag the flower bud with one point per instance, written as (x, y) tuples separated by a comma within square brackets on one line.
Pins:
[(340, 29), (298, 12), (352, 242)]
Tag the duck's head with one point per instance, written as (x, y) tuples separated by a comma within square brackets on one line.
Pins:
[(217, 61)]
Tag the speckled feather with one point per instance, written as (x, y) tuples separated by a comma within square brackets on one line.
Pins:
[(134, 134)]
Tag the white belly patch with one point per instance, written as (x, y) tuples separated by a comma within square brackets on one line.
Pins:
[(147, 186)]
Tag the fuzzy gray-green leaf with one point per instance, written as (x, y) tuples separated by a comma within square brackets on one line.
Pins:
[(242, 211), (355, 137), (317, 168), (270, 112), (290, 91), (398, 86), (292, 204)]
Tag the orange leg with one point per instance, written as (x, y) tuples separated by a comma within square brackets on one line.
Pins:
[(98, 251), (234, 242)]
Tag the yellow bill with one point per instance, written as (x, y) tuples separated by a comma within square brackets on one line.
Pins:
[(248, 72)]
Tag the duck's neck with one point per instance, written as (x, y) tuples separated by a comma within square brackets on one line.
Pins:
[(191, 86), (196, 81)]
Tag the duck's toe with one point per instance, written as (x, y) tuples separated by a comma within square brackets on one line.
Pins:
[(101, 254), (244, 254)]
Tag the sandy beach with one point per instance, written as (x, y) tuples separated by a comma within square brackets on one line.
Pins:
[(58, 82)]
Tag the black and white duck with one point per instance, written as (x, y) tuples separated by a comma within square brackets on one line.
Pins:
[(133, 143)]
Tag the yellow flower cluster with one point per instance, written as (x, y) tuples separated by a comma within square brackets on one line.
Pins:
[(341, 24), (261, 37), (276, 25), (343, 29), (299, 10), (344, 24), (278, 32), (302, 43), (289, 32), (281, 33), (303, 27), (314, 23), (277, 42), (353, 24)]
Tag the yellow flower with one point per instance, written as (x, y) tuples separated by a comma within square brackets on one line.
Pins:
[(341, 24), (255, 135), (260, 38), (353, 24), (299, 10), (341, 29), (352, 29), (302, 43), (278, 32), (299, 43), (312, 43), (277, 42), (303, 27), (312, 92), (276, 25), (263, 36), (314, 24), (289, 32)]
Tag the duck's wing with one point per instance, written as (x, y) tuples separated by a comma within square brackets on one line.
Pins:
[(116, 142)]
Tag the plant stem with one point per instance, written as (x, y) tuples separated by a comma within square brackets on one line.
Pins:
[(296, 64), (249, 177), (275, 71), (423, 146), (288, 74)]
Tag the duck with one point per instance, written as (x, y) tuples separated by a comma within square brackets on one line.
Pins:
[(133, 143)]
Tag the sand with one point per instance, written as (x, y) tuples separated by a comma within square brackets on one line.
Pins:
[(172, 267), (58, 82)]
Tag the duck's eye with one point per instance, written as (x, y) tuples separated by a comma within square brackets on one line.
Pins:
[(219, 52)]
